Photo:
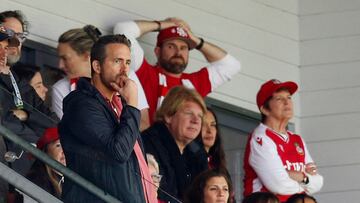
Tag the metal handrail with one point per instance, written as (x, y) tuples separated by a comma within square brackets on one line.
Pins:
[(57, 166), (26, 186)]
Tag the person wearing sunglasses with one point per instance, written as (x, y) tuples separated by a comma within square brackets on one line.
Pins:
[(22, 110), (5, 42)]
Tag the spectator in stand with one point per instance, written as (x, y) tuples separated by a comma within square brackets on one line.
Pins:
[(301, 198), (174, 42), (155, 173), (211, 139), (43, 175), (23, 111), (169, 139), (31, 74), (276, 159), (211, 186), (74, 51), (261, 197), (99, 131), (6, 40)]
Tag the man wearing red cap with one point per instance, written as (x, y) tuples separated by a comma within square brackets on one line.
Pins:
[(277, 160), (174, 42)]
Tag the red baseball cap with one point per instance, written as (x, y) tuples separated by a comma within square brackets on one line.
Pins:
[(174, 33), (268, 88), (50, 135)]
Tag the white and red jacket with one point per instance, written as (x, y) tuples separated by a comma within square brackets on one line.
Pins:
[(156, 83), (268, 157)]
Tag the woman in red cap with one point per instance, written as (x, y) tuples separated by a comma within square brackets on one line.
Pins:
[(43, 175), (277, 160)]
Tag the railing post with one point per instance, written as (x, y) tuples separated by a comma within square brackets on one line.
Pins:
[(57, 166)]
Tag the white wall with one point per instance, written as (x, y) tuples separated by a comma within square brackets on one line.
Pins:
[(263, 36), (330, 93)]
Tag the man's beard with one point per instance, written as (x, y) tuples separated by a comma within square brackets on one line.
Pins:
[(173, 67), (13, 58), (107, 82)]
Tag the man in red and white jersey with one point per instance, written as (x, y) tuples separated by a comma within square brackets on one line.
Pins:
[(277, 160), (174, 42)]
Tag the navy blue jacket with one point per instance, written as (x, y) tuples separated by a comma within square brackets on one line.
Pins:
[(178, 169), (99, 147)]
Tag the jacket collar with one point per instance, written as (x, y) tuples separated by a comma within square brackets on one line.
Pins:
[(84, 85)]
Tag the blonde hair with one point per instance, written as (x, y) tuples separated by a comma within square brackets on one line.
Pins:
[(175, 98), (152, 161), (81, 39), (54, 180)]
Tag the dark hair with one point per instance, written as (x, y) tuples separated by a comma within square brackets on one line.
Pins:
[(195, 193), (81, 39), (296, 197), (261, 197), (15, 14), (216, 152), (267, 103), (25, 72), (98, 51)]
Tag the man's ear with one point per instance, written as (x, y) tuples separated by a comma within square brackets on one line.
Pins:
[(96, 66), (168, 119), (157, 51)]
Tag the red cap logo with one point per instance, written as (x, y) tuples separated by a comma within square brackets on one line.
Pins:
[(174, 33)]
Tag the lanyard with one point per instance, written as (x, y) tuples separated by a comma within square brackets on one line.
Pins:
[(17, 97)]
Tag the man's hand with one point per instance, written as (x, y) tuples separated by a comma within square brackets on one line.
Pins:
[(20, 114), (311, 168), (184, 25), (127, 89), (296, 175)]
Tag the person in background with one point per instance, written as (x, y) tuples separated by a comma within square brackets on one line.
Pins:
[(6, 40), (261, 197), (276, 159), (211, 139), (211, 186), (174, 42), (99, 131), (23, 111), (43, 175), (155, 173), (169, 140), (74, 51), (301, 198), (31, 74)]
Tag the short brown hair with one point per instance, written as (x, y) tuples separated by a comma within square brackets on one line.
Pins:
[(175, 99)]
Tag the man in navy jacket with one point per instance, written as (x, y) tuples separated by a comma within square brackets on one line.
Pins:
[(99, 133)]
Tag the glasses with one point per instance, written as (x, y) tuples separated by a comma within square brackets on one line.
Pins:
[(21, 36), (156, 177)]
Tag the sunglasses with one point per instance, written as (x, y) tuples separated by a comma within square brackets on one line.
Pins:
[(21, 36)]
